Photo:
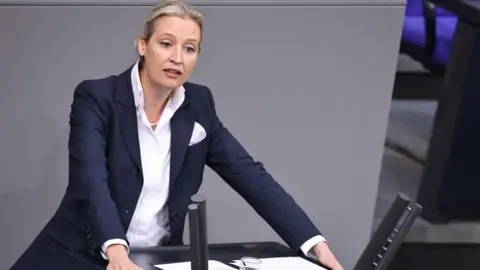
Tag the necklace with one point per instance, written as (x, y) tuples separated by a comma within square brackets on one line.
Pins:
[(154, 124)]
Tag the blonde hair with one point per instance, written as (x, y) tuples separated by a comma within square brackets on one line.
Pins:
[(170, 8)]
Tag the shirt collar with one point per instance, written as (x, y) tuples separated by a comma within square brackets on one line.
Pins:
[(174, 102)]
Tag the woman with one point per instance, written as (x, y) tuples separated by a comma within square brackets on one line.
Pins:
[(138, 146)]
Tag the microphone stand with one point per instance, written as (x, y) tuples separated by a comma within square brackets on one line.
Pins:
[(198, 233)]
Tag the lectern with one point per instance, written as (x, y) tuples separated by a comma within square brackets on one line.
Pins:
[(385, 243)]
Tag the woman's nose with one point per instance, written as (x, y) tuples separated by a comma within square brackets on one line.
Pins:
[(176, 56)]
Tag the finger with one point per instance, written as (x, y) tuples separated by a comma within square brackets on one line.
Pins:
[(332, 265)]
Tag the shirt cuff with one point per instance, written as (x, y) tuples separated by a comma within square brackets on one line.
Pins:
[(113, 242), (307, 246)]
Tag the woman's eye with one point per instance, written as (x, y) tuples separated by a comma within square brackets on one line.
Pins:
[(165, 44), (190, 49)]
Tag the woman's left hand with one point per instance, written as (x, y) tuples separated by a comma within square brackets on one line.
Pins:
[(326, 257)]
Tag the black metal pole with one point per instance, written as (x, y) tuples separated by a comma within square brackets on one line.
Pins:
[(195, 253), (200, 201)]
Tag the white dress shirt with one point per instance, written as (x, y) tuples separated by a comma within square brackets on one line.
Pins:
[(150, 218)]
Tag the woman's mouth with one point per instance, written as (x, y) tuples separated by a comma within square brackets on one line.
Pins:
[(172, 73)]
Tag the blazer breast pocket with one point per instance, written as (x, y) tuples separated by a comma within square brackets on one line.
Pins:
[(197, 148), (197, 154), (198, 135)]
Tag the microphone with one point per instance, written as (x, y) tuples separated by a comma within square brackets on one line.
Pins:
[(194, 238), (198, 232)]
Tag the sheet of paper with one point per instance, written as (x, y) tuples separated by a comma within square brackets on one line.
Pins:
[(212, 265), (286, 263)]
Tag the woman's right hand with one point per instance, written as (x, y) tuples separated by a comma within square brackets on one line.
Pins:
[(118, 259)]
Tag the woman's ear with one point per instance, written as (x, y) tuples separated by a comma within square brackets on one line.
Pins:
[(141, 45)]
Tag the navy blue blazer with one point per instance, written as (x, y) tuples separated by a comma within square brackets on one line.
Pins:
[(105, 174)]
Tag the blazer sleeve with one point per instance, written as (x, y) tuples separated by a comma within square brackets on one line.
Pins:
[(88, 169), (249, 179)]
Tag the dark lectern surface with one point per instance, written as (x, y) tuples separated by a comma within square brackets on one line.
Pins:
[(147, 257)]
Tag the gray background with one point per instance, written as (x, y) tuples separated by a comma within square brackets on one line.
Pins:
[(305, 89)]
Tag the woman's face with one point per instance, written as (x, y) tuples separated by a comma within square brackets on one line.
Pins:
[(171, 52)]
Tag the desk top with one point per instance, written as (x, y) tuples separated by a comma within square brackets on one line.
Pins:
[(466, 10), (147, 257)]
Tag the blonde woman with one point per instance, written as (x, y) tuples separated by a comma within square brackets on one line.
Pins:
[(138, 146)]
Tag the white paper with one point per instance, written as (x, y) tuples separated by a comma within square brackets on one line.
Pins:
[(212, 265), (286, 263)]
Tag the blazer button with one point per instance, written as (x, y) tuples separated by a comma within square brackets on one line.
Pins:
[(174, 216)]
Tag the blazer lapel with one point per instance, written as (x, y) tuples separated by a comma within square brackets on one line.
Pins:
[(181, 127), (125, 107)]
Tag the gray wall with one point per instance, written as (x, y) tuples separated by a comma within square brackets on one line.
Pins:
[(305, 89)]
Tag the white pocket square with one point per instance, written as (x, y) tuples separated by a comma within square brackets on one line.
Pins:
[(198, 134)]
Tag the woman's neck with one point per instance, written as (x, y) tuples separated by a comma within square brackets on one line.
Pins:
[(155, 98)]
